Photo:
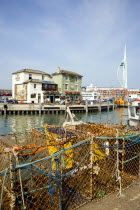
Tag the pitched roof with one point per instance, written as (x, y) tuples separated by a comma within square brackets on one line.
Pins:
[(67, 72), (31, 71)]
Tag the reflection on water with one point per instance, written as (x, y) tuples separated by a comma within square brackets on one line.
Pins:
[(21, 123)]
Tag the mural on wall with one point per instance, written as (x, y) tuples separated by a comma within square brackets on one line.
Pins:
[(21, 92)]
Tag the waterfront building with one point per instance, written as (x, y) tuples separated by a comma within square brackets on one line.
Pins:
[(107, 93), (4, 93), (33, 86), (69, 83)]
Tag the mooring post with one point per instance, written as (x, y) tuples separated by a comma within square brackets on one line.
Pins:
[(5, 108), (86, 105), (113, 104), (40, 107), (99, 106), (108, 106)]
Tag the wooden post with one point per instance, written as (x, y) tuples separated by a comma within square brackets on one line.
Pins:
[(86, 105), (91, 167), (58, 181), (40, 107), (99, 106), (113, 103), (13, 197), (5, 108), (123, 157), (108, 106)]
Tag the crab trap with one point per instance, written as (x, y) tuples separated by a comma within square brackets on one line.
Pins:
[(63, 167)]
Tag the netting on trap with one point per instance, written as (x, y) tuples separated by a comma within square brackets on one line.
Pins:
[(63, 168)]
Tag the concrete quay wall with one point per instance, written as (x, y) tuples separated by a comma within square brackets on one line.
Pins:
[(54, 109)]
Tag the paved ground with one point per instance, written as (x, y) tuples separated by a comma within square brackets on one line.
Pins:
[(129, 201)]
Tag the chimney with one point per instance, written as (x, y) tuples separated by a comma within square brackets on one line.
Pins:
[(58, 70)]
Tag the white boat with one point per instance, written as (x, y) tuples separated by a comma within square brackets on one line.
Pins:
[(91, 96), (71, 119), (134, 112)]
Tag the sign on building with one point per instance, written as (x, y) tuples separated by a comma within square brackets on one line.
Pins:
[(21, 92)]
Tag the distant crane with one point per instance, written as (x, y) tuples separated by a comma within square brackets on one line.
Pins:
[(123, 69)]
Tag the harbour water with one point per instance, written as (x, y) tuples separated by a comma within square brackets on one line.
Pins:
[(22, 123)]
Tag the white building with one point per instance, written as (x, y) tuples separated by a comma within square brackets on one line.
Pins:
[(33, 86), (110, 93)]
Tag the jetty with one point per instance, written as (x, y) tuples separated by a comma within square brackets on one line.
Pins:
[(13, 109)]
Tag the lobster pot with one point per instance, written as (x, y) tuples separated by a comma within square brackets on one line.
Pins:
[(130, 161), (35, 166)]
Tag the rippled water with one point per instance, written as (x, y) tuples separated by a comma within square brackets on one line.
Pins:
[(21, 123)]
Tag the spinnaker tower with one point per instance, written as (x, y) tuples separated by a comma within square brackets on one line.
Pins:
[(122, 72)]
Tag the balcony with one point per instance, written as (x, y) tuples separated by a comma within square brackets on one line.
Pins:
[(49, 86)]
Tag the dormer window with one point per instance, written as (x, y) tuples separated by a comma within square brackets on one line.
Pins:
[(30, 76), (76, 79)]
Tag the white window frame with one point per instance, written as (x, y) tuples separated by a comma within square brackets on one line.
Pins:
[(34, 95), (76, 87), (30, 76), (66, 86)]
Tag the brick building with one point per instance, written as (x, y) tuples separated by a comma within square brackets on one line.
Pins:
[(107, 93)]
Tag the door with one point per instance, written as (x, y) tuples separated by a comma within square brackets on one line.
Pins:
[(52, 99), (39, 97)]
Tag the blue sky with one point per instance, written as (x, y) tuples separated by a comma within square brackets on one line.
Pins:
[(85, 36)]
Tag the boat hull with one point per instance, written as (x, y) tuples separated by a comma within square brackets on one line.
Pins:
[(133, 122)]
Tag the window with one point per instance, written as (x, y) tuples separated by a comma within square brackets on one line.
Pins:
[(138, 110), (34, 85), (33, 95), (30, 76), (49, 87), (117, 94), (17, 78), (42, 77), (132, 111), (67, 77), (76, 79), (66, 86), (76, 87)]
